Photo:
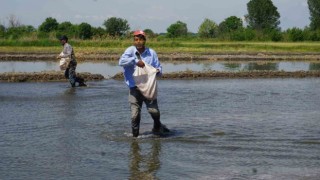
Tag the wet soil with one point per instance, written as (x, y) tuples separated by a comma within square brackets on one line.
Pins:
[(59, 76), (44, 76), (229, 75)]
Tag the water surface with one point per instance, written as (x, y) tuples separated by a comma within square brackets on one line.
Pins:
[(109, 69), (221, 129)]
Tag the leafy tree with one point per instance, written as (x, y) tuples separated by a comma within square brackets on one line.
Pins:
[(262, 14), (2, 31), (314, 7), (230, 24), (16, 32), (2, 27), (275, 35), (49, 25), (85, 31), (178, 29), (29, 29), (66, 28), (208, 29), (245, 34), (295, 34), (149, 33), (315, 35), (98, 32), (116, 26)]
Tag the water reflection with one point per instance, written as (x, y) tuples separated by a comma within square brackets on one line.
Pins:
[(251, 129), (109, 69), (232, 66), (262, 66), (314, 66), (144, 165), (68, 142), (207, 66)]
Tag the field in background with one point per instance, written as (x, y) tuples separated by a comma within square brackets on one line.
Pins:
[(162, 46)]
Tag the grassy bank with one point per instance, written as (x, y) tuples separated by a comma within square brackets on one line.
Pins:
[(163, 46)]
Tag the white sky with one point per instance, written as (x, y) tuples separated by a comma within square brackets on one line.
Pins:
[(157, 15)]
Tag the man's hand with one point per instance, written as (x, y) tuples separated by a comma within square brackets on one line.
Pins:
[(140, 64), (58, 57)]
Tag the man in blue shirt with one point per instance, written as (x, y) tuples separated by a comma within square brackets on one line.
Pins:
[(131, 59)]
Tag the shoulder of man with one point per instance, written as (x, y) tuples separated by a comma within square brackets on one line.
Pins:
[(151, 51), (67, 46), (131, 49)]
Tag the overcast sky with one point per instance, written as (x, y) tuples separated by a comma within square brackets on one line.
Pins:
[(157, 15)]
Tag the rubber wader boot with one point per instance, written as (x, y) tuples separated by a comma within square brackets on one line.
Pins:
[(163, 129), (135, 132)]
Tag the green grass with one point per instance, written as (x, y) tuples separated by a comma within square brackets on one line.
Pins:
[(163, 46)]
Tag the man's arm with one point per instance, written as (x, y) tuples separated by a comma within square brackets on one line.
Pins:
[(156, 63), (128, 58)]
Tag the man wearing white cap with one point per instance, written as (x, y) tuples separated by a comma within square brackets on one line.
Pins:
[(131, 59)]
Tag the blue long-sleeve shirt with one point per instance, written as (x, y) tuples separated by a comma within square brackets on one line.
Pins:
[(128, 61)]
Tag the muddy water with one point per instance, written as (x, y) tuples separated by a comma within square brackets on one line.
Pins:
[(109, 69), (221, 129)]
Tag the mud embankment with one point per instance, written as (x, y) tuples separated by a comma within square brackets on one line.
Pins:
[(170, 56), (59, 76), (233, 75), (44, 76)]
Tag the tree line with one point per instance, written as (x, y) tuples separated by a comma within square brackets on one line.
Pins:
[(263, 20)]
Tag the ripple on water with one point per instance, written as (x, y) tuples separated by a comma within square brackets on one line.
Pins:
[(226, 129)]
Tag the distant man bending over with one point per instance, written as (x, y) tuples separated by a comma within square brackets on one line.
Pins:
[(70, 72)]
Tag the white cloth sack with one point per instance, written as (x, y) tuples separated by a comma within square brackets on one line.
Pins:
[(64, 62), (146, 82)]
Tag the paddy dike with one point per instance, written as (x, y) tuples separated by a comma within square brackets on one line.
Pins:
[(44, 76), (233, 75), (164, 57), (59, 76), (169, 56)]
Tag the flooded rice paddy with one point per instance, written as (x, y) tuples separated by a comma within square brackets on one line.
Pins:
[(221, 129), (109, 69)]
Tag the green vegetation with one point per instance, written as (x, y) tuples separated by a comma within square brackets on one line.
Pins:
[(164, 45), (116, 26), (262, 15), (314, 7), (263, 21), (208, 29), (178, 29), (230, 36), (230, 24)]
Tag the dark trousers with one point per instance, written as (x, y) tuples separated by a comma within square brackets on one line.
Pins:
[(70, 74), (136, 100)]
